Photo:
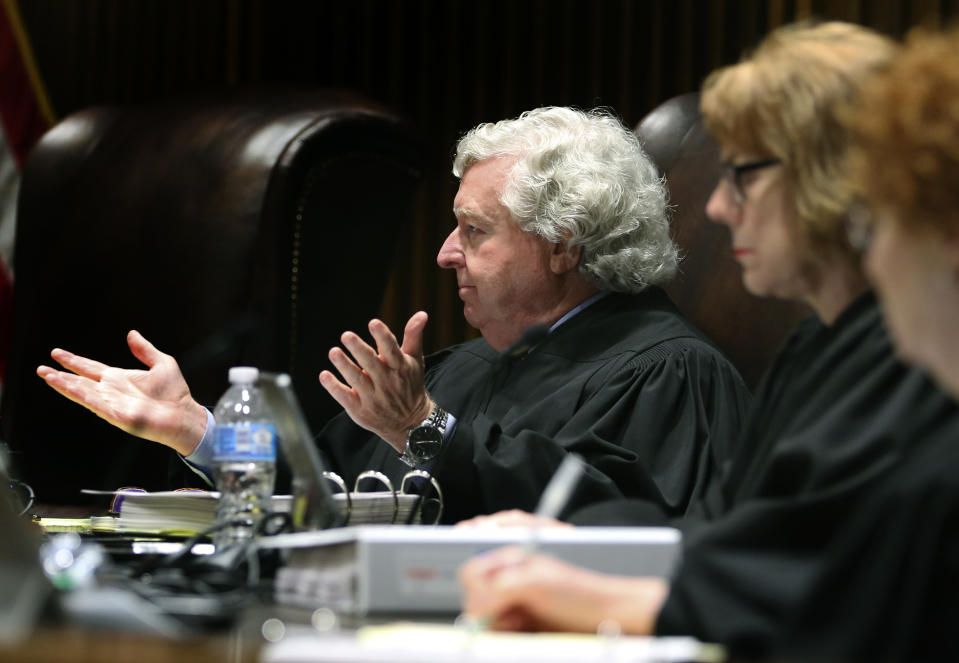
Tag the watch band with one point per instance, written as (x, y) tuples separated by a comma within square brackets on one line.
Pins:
[(434, 426), (437, 419)]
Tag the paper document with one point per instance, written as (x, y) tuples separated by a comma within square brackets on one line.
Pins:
[(408, 642)]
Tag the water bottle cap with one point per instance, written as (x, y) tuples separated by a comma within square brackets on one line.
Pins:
[(242, 374)]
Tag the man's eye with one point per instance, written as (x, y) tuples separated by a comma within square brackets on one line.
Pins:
[(472, 230)]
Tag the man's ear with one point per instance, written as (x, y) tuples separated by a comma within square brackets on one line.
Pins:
[(564, 258)]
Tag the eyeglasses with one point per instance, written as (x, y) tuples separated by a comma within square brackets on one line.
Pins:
[(859, 225), (733, 173)]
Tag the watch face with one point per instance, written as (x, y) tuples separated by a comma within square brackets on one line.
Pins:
[(425, 442)]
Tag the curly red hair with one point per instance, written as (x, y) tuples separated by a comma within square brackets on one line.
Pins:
[(905, 154)]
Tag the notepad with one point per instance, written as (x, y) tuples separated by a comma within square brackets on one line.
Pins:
[(406, 642)]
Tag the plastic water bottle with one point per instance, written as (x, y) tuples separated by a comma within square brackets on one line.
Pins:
[(244, 458)]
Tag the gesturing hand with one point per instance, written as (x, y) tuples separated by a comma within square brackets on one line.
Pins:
[(382, 389), (154, 404)]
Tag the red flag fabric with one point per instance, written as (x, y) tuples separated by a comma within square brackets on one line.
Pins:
[(25, 114)]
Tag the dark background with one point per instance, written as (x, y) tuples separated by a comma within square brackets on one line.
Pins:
[(444, 65)]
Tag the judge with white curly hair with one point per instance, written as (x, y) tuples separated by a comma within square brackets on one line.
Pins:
[(560, 241)]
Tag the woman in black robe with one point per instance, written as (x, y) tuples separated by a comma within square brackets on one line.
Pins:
[(907, 227), (772, 567)]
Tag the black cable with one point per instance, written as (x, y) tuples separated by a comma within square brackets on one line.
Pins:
[(232, 574)]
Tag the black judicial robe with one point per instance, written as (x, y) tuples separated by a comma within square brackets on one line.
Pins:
[(833, 523), (898, 561), (627, 383)]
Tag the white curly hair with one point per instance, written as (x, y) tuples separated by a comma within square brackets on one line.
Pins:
[(583, 177)]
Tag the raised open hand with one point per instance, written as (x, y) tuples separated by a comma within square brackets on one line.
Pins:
[(382, 389), (154, 404)]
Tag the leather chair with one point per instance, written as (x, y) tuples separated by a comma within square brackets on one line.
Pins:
[(708, 288), (241, 229)]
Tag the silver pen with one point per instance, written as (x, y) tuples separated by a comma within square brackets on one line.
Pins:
[(556, 495), (560, 487), (552, 501)]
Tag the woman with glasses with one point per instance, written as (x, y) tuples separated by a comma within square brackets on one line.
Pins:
[(765, 570)]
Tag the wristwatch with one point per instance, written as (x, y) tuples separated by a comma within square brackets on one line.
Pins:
[(423, 442)]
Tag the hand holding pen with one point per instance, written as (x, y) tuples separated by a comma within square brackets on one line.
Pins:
[(516, 589), (497, 565)]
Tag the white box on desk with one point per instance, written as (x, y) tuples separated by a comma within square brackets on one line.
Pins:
[(404, 569)]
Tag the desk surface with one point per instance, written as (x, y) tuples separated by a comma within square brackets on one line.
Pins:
[(74, 645), (297, 637)]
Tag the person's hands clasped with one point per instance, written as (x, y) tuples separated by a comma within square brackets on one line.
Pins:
[(154, 404), (383, 388), (510, 589)]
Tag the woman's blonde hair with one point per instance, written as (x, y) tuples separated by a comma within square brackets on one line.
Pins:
[(905, 152), (784, 101)]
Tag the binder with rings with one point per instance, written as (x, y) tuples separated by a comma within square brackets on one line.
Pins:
[(315, 505), (403, 505), (187, 512)]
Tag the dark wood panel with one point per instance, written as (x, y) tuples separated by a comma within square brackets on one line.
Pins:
[(444, 64)]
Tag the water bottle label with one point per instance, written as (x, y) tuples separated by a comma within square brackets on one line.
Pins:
[(244, 442)]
